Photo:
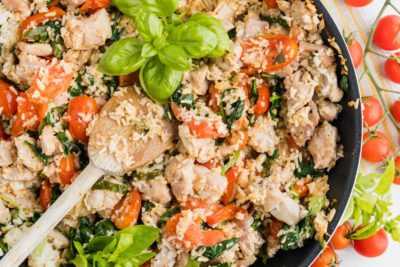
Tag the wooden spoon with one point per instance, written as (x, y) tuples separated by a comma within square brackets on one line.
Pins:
[(119, 143)]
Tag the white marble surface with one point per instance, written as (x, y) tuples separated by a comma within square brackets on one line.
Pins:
[(360, 19)]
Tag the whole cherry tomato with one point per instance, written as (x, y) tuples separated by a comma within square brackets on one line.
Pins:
[(358, 3), (396, 179), (80, 112), (395, 110), (328, 258), (8, 100), (355, 50), (372, 111), (376, 148), (340, 238), (372, 246), (392, 68), (386, 35)]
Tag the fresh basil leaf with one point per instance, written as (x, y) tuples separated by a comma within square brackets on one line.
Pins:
[(344, 83), (3, 246), (148, 51), (158, 80), (175, 57), (122, 57), (289, 236), (114, 187), (137, 258), (143, 236), (214, 25), (231, 162), (100, 242), (104, 227), (216, 250), (194, 38), (348, 211), (129, 7), (147, 205), (357, 215), (315, 204), (149, 26), (162, 8), (386, 180), (124, 243), (366, 202), (278, 20), (267, 164), (307, 168), (192, 263), (168, 214), (80, 261), (366, 231), (38, 152), (367, 182)]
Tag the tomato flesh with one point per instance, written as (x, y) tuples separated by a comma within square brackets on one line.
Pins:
[(262, 104), (8, 100), (231, 175), (126, 213), (45, 194), (268, 53), (92, 6), (67, 169), (39, 18)]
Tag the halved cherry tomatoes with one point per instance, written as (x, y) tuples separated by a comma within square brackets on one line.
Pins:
[(53, 3), (372, 111), (126, 213), (302, 188), (328, 258), (358, 3), (67, 169), (395, 110), (372, 246), (392, 68), (50, 81), (376, 148), (211, 237), (262, 104), (231, 176), (274, 226), (8, 100), (271, 3), (45, 194), (239, 138), (38, 18), (92, 6), (340, 238), (80, 112), (192, 236), (268, 53), (222, 214), (212, 163), (396, 179), (27, 118), (204, 129), (386, 35)]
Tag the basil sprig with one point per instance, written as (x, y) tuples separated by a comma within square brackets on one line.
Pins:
[(164, 47)]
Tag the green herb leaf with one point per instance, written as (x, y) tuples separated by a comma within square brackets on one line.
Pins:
[(231, 162), (305, 169), (183, 100), (129, 7), (174, 57), (162, 8), (147, 205), (38, 152), (280, 58), (148, 51), (216, 26), (158, 80), (254, 90), (104, 227), (122, 57), (110, 186), (366, 231), (348, 211), (216, 250), (168, 215), (315, 204), (344, 83), (387, 179), (192, 263), (366, 202), (278, 20), (267, 164), (194, 38), (149, 26)]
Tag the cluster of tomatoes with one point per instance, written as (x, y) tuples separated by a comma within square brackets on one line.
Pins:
[(376, 145)]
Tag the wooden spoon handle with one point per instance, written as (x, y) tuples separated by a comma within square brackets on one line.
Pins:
[(32, 238)]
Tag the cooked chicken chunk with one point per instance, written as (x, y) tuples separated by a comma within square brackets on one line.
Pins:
[(209, 184), (7, 153), (154, 189), (73, 3), (5, 215), (302, 16), (299, 90), (225, 13), (19, 6), (166, 256), (196, 79), (328, 110), (203, 149), (302, 123), (323, 145), (26, 69), (36, 49), (87, 33), (101, 200), (49, 142), (17, 174), (25, 153), (262, 136), (253, 26), (180, 174)]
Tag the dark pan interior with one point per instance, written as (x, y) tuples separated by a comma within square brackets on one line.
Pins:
[(341, 178)]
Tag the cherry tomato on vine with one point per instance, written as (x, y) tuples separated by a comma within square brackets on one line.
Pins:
[(376, 147), (358, 3), (355, 50), (396, 179), (372, 246), (392, 68), (340, 238), (372, 111), (386, 34), (395, 110), (328, 258)]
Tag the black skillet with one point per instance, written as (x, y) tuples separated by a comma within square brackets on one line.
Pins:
[(342, 176)]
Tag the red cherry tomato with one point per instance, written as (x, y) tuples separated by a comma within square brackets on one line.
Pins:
[(356, 52), (372, 111), (231, 176), (67, 169), (386, 35), (271, 3), (8, 100), (126, 213), (392, 69), (372, 246), (340, 238), (92, 6), (358, 3), (395, 110), (45, 194), (39, 18), (375, 148), (262, 104), (81, 110), (396, 179), (328, 258)]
